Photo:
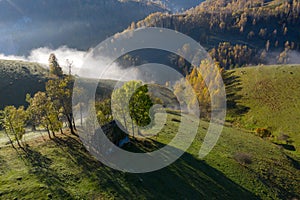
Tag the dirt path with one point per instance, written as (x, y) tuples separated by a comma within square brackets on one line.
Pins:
[(27, 137)]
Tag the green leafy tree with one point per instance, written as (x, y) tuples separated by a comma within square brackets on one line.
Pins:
[(139, 106), (126, 106), (43, 112), (13, 120), (103, 109), (60, 93)]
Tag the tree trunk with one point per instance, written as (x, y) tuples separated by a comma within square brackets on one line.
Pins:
[(48, 131), (11, 142), (18, 142), (80, 107), (132, 125), (73, 122), (15, 134), (70, 125), (51, 126)]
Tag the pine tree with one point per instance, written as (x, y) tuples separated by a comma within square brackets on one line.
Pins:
[(54, 67)]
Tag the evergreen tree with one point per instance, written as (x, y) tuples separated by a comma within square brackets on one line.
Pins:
[(54, 67)]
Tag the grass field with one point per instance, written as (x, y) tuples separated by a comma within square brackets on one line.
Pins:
[(62, 169), (241, 166), (268, 97)]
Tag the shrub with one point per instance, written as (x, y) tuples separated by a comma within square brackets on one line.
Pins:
[(263, 132), (243, 158)]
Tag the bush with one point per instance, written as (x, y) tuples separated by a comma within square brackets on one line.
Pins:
[(243, 158), (263, 132)]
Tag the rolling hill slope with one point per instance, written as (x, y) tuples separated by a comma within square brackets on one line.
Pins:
[(240, 166), (17, 78), (269, 97)]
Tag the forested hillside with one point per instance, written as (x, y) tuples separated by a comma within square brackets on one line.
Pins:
[(239, 33), (177, 5), (25, 25)]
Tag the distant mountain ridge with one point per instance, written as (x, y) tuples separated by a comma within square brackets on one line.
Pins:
[(177, 5), (80, 24)]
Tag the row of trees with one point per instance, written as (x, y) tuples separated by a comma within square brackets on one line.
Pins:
[(232, 56), (48, 109)]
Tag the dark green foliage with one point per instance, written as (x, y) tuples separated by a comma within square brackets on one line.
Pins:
[(104, 114), (139, 106)]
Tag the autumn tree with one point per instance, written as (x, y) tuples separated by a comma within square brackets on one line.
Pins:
[(204, 84)]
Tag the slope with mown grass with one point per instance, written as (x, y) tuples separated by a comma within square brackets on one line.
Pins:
[(266, 97)]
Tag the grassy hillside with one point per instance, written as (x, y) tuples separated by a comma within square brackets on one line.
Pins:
[(62, 169), (17, 78), (241, 165), (267, 97)]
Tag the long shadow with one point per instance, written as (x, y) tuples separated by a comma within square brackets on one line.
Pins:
[(282, 192), (187, 178), (233, 86), (40, 167), (3, 165)]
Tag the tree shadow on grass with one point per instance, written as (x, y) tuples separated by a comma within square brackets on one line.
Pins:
[(187, 178), (40, 167), (3, 165), (233, 86)]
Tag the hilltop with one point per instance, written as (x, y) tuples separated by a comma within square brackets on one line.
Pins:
[(17, 78)]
